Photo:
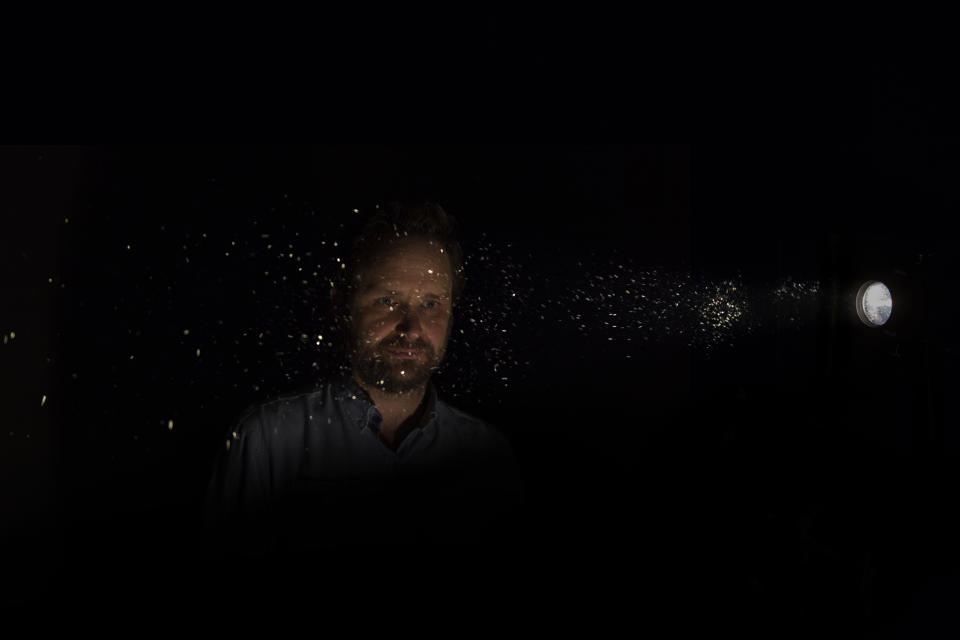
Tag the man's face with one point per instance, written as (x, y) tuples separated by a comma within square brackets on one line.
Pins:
[(401, 315)]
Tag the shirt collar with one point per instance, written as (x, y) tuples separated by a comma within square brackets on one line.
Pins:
[(361, 411)]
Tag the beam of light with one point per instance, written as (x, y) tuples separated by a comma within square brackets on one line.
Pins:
[(591, 305), (595, 303)]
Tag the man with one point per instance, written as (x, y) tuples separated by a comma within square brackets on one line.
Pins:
[(374, 455)]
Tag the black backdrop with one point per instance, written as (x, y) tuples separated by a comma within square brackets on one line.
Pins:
[(802, 470)]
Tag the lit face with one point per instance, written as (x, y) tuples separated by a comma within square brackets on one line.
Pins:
[(401, 315)]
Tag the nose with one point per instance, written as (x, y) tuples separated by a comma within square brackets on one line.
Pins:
[(409, 326)]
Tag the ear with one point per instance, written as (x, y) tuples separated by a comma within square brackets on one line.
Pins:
[(450, 327)]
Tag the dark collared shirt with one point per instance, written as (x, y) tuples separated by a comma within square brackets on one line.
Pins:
[(314, 467)]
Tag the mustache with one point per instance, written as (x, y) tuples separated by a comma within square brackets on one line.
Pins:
[(406, 346)]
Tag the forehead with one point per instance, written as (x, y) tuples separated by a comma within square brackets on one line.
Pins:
[(407, 263)]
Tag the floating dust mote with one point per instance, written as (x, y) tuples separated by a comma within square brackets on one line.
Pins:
[(629, 306), (516, 306)]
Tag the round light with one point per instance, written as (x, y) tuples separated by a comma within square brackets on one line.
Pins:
[(874, 303)]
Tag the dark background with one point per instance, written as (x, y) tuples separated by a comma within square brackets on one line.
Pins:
[(806, 472)]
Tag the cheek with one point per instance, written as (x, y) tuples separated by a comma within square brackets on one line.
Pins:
[(374, 329), (369, 328), (439, 329)]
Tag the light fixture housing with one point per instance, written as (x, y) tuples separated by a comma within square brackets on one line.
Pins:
[(874, 303)]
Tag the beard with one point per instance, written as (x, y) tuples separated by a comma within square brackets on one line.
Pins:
[(374, 366)]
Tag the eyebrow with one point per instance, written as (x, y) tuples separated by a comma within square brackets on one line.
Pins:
[(375, 288)]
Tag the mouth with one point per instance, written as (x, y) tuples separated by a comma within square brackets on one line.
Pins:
[(405, 354)]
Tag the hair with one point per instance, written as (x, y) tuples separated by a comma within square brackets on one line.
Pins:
[(425, 220)]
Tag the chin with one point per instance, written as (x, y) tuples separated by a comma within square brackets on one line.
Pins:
[(394, 385), (375, 370)]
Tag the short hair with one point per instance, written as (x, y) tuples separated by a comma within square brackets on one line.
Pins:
[(426, 220)]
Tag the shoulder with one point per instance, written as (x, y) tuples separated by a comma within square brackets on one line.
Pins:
[(479, 432), (278, 412)]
